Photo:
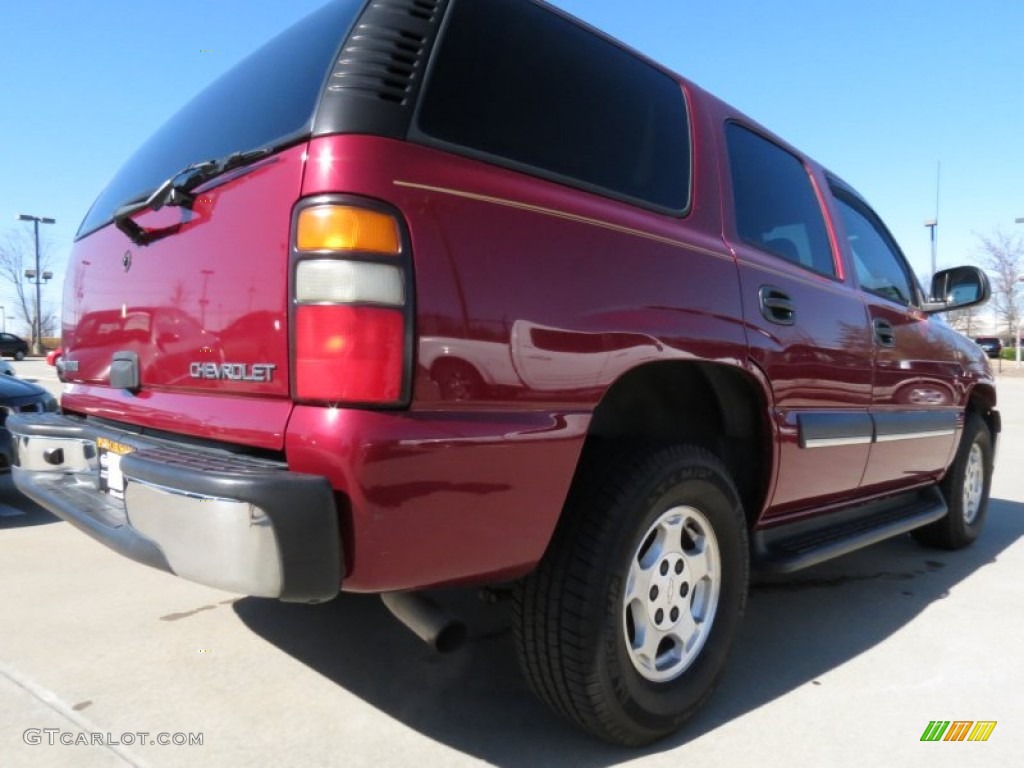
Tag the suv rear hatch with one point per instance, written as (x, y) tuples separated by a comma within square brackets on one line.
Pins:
[(178, 280)]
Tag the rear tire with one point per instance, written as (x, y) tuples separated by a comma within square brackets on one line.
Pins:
[(19, 355), (625, 625), (966, 490)]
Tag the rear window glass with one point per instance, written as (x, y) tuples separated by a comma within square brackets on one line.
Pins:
[(776, 207), (521, 84), (267, 100)]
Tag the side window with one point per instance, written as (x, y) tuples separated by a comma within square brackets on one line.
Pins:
[(776, 207), (518, 83), (877, 262)]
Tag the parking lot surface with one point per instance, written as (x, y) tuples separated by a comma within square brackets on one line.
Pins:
[(845, 664)]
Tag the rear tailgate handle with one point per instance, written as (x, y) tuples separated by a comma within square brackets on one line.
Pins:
[(776, 306), (883, 333)]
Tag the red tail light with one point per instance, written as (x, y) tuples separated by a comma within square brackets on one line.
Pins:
[(353, 354), (351, 306)]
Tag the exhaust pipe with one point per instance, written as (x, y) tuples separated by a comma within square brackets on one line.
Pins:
[(427, 619)]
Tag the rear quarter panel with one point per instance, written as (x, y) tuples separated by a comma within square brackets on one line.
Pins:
[(497, 254), (497, 251)]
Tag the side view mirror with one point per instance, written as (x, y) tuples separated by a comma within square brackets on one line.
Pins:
[(957, 288)]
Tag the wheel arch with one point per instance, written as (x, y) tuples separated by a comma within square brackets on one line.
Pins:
[(453, 361), (715, 406), (982, 400)]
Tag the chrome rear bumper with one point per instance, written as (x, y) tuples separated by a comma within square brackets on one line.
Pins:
[(234, 522)]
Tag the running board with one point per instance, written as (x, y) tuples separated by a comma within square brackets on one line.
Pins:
[(792, 546)]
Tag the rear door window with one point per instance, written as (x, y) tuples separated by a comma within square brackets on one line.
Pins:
[(775, 204)]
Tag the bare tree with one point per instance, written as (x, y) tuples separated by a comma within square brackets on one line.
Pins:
[(964, 320), (179, 294), (48, 323), (17, 253), (1003, 257)]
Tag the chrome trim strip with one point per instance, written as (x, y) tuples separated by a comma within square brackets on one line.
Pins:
[(831, 442), (914, 435)]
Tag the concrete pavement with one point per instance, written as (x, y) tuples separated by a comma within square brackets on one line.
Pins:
[(840, 665)]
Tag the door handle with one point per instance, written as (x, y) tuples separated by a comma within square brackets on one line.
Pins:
[(776, 306), (884, 334)]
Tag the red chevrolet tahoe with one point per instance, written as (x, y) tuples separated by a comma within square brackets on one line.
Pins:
[(432, 292)]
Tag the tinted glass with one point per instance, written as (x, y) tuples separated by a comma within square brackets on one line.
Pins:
[(266, 100), (776, 207), (522, 84), (879, 267)]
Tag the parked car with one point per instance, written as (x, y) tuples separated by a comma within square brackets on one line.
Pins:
[(13, 346), (992, 345), (19, 396), (713, 356), (54, 355), (162, 336)]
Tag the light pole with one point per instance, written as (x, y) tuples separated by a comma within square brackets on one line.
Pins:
[(37, 331), (932, 224)]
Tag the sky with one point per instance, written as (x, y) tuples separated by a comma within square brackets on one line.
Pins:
[(879, 91)]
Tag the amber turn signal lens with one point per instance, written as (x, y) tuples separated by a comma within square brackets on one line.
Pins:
[(344, 228)]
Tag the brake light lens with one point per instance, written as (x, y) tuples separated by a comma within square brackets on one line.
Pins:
[(353, 354), (351, 306)]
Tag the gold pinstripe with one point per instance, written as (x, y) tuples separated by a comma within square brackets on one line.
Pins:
[(836, 287), (565, 215)]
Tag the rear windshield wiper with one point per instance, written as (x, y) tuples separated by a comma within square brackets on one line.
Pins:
[(177, 191)]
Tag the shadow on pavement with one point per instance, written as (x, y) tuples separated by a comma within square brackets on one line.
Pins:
[(17, 510), (476, 701)]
